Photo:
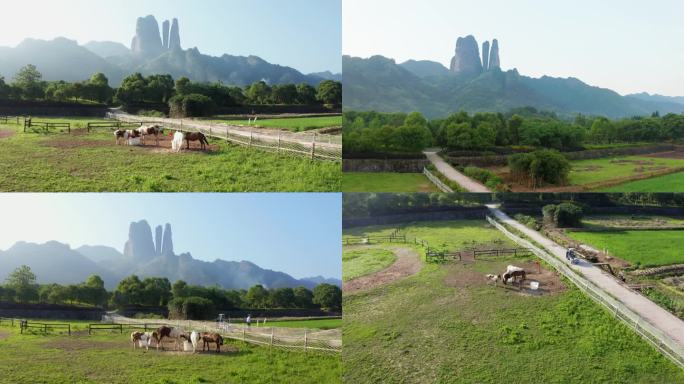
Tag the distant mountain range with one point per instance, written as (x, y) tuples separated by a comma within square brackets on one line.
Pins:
[(474, 84), (54, 262), (150, 53)]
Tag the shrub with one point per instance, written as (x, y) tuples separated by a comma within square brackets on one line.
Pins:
[(529, 221), (563, 215), (489, 179), (192, 105), (540, 167), (193, 308)]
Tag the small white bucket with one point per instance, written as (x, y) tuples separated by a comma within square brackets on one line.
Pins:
[(187, 346), (534, 285), (134, 141)]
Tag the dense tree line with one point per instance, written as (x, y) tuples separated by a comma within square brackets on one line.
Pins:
[(21, 287), (522, 128), (136, 88)]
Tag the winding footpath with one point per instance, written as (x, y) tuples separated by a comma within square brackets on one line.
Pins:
[(407, 264), (660, 318), (452, 174)]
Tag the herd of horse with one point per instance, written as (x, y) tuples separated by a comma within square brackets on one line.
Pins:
[(512, 274), (129, 135), (144, 339)]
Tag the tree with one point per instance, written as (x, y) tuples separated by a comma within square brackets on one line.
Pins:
[(28, 81), (159, 88), (5, 89), (179, 289), (284, 94), (132, 89), (303, 298), (98, 89), (156, 291), (257, 297), (283, 298), (306, 94), (328, 296), (23, 282), (539, 167), (94, 291), (130, 290), (329, 92), (259, 93)]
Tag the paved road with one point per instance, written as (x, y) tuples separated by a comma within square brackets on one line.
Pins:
[(452, 174), (656, 315)]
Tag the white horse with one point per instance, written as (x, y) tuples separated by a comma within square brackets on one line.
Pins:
[(177, 142), (195, 338)]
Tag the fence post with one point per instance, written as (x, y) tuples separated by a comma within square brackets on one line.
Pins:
[(69, 329), (89, 329), (279, 142), (271, 336), (305, 340), (313, 148), (243, 334), (251, 132)]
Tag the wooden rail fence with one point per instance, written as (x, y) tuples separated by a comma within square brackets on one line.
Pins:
[(25, 325), (437, 256)]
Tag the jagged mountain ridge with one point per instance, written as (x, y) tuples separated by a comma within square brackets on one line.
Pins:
[(54, 262), (150, 53), (477, 84)]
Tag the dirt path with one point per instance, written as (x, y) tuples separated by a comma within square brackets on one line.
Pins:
[(407, 264), (666, 322), (5, 133), (452, 174)]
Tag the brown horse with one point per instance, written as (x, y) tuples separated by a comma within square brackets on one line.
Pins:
[(154, 130), (169, 332), (208, 338), (196, 136), (514, 275)]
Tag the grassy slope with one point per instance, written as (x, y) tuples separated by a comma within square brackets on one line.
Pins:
[(386, 182), (293, 123), (609, 170), (360, 262), (108, 357), (310, 324), (646, 247), (419, 330), (29, 163), (671, 183)]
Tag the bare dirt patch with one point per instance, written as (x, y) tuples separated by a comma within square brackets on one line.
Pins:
[(549, 281), (588, 168), (76, 140), (5, 133), (408, 263), (81, 343), (4, 335)]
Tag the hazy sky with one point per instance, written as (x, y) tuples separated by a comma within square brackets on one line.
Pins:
[(625, 45), (297, 233), (304, 34)]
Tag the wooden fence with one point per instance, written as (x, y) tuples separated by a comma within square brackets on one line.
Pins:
[(437, 256), (313, 145), (436, 181), (6, 119), (25, 325), (44, 126)]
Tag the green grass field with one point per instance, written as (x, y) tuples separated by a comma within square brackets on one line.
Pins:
[(422, 330), (605, 169), (386, 182), (310, 324), (672, 183), (361, 262), (108, 358), (648, 247), (294, 124), (92, 162)]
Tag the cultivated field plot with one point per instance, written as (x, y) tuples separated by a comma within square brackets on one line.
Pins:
[(646, 247), (595, 172), (386, 182), (447, 324), (294, 124), (673, 182), (604, 222), (83, 161), (109, 357)]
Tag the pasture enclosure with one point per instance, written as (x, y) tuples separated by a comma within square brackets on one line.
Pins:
[(449, 324), (294, 339), (387, 182), (314, 146), (108, 357), (664, 343), (27, 326), (44, 126)]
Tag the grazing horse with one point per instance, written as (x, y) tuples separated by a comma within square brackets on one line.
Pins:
[(154, 130), (196, 136), (177, 142), (208, 338), (493, 278), (140, 339), (513, 272), (169, 332), (121, 134), (193, 338)]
